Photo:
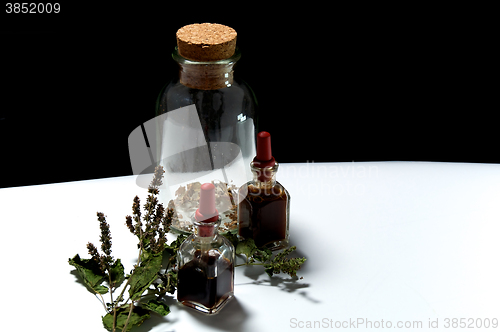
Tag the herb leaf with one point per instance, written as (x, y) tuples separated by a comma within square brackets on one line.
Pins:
[(144, 275), (90, 272), (281, 263), (138, 316), (174, 246), (246, 247), (261, 255), (117, 272), (232, 237), (157, 306)]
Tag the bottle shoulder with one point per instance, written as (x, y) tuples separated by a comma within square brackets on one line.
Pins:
[(227, 243), (232, 101), (251, 188), (217, 242)]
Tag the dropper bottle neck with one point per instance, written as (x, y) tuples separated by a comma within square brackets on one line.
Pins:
[(264, 177), (264, 167), (207, 231), (206, 216)]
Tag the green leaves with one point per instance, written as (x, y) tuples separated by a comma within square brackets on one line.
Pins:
[(157, 306), (144, 274), (174, 246), (281, 263), (151, 231), (249, 249), (137, 317), (117, 272), (91, 274), (246, 247)]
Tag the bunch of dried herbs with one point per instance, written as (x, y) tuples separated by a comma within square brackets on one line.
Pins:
[(186, 202), (134, 296)]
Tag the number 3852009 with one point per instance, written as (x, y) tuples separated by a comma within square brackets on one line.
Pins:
[(32, 8)]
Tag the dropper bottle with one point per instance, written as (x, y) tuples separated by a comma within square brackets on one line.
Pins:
[(205, 280), (264, 208)]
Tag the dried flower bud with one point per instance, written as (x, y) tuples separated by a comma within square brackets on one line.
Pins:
[(167, 219), (94, 253), (105, 234), (136, 209), (156, 182), (128, 222)]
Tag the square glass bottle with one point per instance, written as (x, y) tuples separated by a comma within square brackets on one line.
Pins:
[(264, 204), (206, 261)]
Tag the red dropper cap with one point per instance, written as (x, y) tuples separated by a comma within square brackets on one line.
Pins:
[(264, 156), (207, 211)]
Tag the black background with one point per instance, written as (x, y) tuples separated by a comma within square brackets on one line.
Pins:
[(333, 84)]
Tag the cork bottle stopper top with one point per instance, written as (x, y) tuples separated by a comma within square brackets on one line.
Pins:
[(206, 41)]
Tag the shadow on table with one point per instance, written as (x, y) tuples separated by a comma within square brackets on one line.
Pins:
[(287, 284), (231, 318)]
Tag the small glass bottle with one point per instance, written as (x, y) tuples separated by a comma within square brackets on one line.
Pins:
[(205, 280), (264, 208)]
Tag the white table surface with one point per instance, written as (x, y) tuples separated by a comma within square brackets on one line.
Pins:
[(392, 241)]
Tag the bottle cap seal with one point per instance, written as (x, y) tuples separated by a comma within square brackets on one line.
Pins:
[(207, 211), (264, 156)]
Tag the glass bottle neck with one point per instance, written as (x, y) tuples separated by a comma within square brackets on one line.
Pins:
[(206, 75), (264, 177), (206, 231)]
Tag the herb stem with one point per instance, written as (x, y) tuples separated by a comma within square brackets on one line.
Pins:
[(128, 318), (249, 264), (112, 303), (102, 301), (120, 297)]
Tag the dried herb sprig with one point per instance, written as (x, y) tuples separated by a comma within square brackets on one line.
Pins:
[(146, 284), (281, 263), (151, 228)]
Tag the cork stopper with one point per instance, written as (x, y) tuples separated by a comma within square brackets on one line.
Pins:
[(206, 41)]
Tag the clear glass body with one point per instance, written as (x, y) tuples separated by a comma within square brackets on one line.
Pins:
[(205, 280), (220, 134), (264, 210)]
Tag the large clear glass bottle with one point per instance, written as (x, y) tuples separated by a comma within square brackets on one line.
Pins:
[(206, 261), (225, 124), (264, 204)]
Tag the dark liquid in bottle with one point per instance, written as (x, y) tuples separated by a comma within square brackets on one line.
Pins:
[(206, 279), (262, 214)]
